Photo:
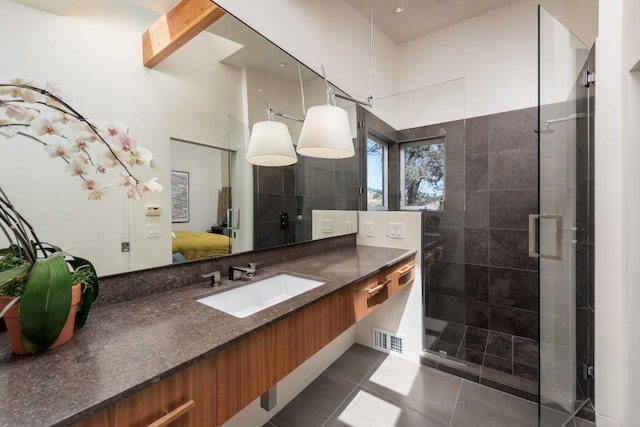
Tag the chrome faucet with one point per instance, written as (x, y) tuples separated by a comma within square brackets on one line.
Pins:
[(215, 278), (235, 273)]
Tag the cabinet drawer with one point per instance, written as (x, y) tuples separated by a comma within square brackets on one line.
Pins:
[(404, 273), (172, 395)]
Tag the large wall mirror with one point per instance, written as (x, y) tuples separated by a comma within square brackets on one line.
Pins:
[(194, 111)]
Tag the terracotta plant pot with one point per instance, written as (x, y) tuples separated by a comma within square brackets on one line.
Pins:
[(12, 320)]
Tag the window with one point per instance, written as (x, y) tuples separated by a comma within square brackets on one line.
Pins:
[(377, 153), (422, 174)]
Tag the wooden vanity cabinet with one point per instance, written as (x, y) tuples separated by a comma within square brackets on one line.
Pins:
[(185, 399), (221, 385), (403, 273)]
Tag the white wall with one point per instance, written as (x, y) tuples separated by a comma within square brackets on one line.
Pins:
[(207, 169), (608, 244), (403, 312), (631, 198), (324, 32), (94, 55), (496, 52), (617, 204), (283, 95)]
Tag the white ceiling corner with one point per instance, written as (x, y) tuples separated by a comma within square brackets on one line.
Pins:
[(59, 7), (421, 17)]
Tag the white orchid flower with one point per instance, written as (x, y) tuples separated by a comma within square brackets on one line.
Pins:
[(47, 125), (111, 129), (151, 186), (79, 165), (125, 180), (96, 189), (7, 129), (79, 137), (20, 93), (134, 193), (18, 112), (106, 159), (141, 157), (65, 133), (59, 148)]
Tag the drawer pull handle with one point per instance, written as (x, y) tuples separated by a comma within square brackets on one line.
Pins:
[(173, 415), (405, 270), (377, 288)]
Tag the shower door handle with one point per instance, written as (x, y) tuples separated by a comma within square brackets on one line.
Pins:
[(233, 219), (534, 244)]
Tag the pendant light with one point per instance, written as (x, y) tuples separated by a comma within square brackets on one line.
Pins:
[(326, 132), (270, 143)]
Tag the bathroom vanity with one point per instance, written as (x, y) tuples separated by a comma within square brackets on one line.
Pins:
[(168, 357)]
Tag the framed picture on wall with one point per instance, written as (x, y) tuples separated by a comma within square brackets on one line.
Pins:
[(179, 196)]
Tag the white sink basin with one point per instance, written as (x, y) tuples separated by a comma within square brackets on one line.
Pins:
[(251, 298)]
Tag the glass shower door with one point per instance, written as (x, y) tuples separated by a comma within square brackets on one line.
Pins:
[(554, 231), (240, 214)]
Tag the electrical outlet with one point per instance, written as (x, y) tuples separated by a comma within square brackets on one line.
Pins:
[(368, 229), (348, 227), (327, 226)]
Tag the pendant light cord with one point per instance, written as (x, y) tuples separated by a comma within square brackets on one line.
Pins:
[(304, 107), (371, 54)]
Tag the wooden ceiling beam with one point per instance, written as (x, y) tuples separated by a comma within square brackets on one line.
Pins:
[(182, 23)]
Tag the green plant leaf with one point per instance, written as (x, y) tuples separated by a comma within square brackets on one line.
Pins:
[(13, 274), (45, 303), (89, 293)]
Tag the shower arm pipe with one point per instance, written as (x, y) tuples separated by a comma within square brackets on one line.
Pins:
[(566, 119)]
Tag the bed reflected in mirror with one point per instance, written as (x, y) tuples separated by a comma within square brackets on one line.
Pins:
[(200, 199)]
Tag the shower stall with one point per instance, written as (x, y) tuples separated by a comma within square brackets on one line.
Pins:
[(508, 263), (562, 233)]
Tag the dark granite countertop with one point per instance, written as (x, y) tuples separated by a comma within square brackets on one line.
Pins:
[(127, 346)]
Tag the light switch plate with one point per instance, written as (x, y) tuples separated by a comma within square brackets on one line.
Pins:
[(153, 230), (396, 230)]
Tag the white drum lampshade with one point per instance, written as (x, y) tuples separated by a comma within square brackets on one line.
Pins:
[(326, 133), (270, 145)]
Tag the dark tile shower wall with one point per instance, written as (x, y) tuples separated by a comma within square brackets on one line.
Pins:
[(296, 190), (480, 279), (274, 190)]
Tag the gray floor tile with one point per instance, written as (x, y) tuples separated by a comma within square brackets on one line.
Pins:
[(315, 404), (365, 408), (481, 406), (555, 418), (423, 389), (579, 422), (355, 363)]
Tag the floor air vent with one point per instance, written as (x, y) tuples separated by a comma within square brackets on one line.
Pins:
[(389, 342)]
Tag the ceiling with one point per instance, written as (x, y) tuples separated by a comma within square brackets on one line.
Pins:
[(421, 17)]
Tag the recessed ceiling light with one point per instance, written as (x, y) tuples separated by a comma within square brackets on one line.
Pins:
[(282, 65), (399, 9)]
